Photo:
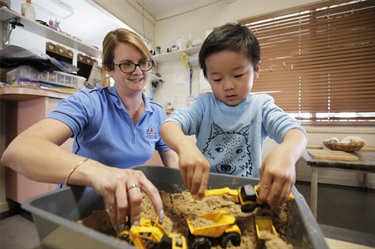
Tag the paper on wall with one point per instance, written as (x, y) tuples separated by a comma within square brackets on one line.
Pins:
[(179, 74)]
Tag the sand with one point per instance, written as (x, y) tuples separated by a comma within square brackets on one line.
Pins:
[(179, 206)]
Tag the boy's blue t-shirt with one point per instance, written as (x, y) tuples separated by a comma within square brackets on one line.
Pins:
[(231, 137), (104, 131)]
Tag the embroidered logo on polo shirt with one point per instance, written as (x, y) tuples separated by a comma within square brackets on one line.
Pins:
[(151, 133)]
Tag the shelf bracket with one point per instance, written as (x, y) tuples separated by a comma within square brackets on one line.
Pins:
[(8, 26)]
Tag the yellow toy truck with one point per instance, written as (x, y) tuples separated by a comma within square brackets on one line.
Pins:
[(213, 228), (264, 228), (152, 235)]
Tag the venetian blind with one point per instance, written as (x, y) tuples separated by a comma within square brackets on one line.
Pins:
[(318, 62)]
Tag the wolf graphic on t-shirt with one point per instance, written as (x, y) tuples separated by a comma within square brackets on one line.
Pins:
[(229, 152)]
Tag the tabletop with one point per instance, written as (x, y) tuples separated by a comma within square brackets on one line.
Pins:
[(24, 93), (365, 163)]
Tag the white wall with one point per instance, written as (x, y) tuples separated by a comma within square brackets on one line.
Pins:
[(197, 23), (131, 13)]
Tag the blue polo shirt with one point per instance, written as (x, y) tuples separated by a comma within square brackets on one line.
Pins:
[(104, 131)]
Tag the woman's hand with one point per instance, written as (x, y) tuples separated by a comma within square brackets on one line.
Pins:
[(122, 191)]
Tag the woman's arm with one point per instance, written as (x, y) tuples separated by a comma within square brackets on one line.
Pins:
[(36, 154)]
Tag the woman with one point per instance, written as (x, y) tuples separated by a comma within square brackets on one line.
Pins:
[(114, 128)]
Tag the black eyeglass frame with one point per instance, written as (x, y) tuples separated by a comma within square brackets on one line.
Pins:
[(135, 65)]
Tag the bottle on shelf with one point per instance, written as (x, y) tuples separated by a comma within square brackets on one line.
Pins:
[(28, 11), (181, 43), (189, 41), (158, 50)]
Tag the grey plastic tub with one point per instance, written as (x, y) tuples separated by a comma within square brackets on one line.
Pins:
[(55, 213)]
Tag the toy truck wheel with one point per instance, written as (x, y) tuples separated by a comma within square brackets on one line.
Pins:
[(248, 208), (201, 243), (125, 237), (150, 244), (166, 243), (230, 238)]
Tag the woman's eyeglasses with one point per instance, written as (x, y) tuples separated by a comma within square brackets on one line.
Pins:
[(129, 67)]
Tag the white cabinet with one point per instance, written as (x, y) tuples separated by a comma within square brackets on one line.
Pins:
[(8, 16)]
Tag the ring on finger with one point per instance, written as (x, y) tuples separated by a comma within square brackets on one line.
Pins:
[(109, 208), (132, 186)]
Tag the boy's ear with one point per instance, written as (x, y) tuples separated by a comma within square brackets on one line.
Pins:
[(257, 71)]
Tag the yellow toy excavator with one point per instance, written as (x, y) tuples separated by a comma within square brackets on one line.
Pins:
[(151, 234), (246, 196)]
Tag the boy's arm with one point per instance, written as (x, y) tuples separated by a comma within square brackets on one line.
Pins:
[(277, 173), (193, 165), (169, 158)]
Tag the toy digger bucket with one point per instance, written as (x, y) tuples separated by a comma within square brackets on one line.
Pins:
[(219, 222), (264, 228)]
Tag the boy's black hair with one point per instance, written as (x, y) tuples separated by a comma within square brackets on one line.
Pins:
[(232, 37)]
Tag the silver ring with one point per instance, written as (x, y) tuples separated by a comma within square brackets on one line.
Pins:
[(109, 208), (133, 186)]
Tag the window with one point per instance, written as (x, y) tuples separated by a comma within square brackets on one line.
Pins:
[(318, 62)]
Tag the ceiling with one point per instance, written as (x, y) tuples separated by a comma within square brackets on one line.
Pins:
[(162, 9)]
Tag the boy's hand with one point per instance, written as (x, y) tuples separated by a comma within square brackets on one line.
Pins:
[(193, 165), (278, 173), (277, 177), (195, 170)]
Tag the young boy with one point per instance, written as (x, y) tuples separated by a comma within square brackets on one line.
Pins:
[(231, 124)]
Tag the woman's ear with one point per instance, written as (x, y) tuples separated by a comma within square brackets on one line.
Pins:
[(107, 71)]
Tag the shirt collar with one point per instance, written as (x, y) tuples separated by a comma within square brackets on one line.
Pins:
[(112, 90)]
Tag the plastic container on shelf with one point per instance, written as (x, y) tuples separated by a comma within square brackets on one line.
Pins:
[(181, 43), (27, 10), (55, 77)]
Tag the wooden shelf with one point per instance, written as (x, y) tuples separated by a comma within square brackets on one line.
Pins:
[(39, 29), (176, 55)]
